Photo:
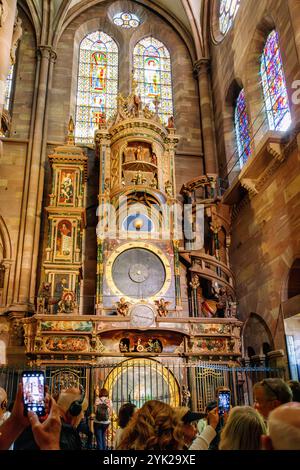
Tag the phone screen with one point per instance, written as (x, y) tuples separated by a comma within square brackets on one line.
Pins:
[(34, 392), (224, 402)]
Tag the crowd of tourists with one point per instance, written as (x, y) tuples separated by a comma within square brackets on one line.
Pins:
[(272, 423)]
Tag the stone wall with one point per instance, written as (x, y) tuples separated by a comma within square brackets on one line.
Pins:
[(265, 233)]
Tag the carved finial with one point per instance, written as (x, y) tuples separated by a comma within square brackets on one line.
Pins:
[(156, 102), (71, 127)]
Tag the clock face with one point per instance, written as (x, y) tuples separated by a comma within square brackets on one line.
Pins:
[(138, 273), (141, 316)]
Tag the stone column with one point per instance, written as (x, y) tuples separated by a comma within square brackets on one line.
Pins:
[(201, 71), (31, 210), (8, 10)]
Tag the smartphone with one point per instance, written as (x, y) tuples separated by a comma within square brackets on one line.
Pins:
[(33, 382), (223, 402)]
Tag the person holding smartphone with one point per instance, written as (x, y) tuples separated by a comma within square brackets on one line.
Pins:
[(46, 434)]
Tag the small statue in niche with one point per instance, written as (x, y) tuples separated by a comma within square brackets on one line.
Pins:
[(171, 123), (148, 114), (162, 307), (222, 301), (195, 283), (138, 153), (139, 178), (153, 182), (123, 307), (44, 298), (169, 188), (67, 304), (154, 159), (17, 33), (124, 345), (185, 396)]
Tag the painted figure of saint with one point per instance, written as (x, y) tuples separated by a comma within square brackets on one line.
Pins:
[(66, 188), (98, 71), (64, 238)]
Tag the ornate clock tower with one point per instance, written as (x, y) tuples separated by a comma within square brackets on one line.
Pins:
[(138, 273)]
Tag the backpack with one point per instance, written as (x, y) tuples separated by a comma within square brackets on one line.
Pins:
[(102, 412)]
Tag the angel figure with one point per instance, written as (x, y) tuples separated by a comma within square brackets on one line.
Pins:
[(162, 307), (122, 307)]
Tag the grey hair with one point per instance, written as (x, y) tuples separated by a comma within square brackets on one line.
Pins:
[(242, 430)]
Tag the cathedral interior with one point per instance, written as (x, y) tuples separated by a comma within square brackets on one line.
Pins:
[(149, 194)]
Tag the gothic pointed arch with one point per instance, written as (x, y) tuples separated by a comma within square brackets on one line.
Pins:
[(5, 261), (256, 334)]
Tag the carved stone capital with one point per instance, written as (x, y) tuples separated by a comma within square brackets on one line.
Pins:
[(46, 52), (201, 66)]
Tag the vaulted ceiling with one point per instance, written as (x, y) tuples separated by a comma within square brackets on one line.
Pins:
[(188, 16)]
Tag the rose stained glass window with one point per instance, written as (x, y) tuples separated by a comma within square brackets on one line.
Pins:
[(97, 84), (152, 72), (228, 10), (274, 85), (126, 20), (242, 128), (8, 88)]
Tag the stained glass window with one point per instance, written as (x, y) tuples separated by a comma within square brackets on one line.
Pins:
[(274, 86), (242, 128), (97, 84), (152, 71), (126, 20), (228, 10), (8, 88)]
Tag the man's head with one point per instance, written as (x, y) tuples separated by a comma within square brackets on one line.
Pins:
[(269, 394), (284, 428), (189, 420), (3, 401), (72, 403)]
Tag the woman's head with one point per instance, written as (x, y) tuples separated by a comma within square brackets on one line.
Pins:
[(243, 429), (103, 392), (125, 413), (155, 426)]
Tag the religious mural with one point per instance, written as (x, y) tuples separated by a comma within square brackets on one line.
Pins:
[(64, 239), (66, 187), (66, 343)]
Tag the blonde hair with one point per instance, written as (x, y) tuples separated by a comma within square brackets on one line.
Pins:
[(155, 426), (243, 429)]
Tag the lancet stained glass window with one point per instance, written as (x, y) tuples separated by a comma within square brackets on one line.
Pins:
[(228, 10), (152, 71), (8, 88), (97, 84), (274, 85), (242, 128)]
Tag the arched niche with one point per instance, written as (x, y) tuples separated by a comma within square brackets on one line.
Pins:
[(256, 335)]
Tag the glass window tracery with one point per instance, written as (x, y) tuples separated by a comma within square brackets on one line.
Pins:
[(126, 20), (242, 128), (97, 86), (228, 10), (152, 72), (274, 85)]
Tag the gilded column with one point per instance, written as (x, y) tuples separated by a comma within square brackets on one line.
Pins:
[(177, 273), (201, 71)]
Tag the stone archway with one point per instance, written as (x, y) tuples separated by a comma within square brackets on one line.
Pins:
[(256, 334)]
